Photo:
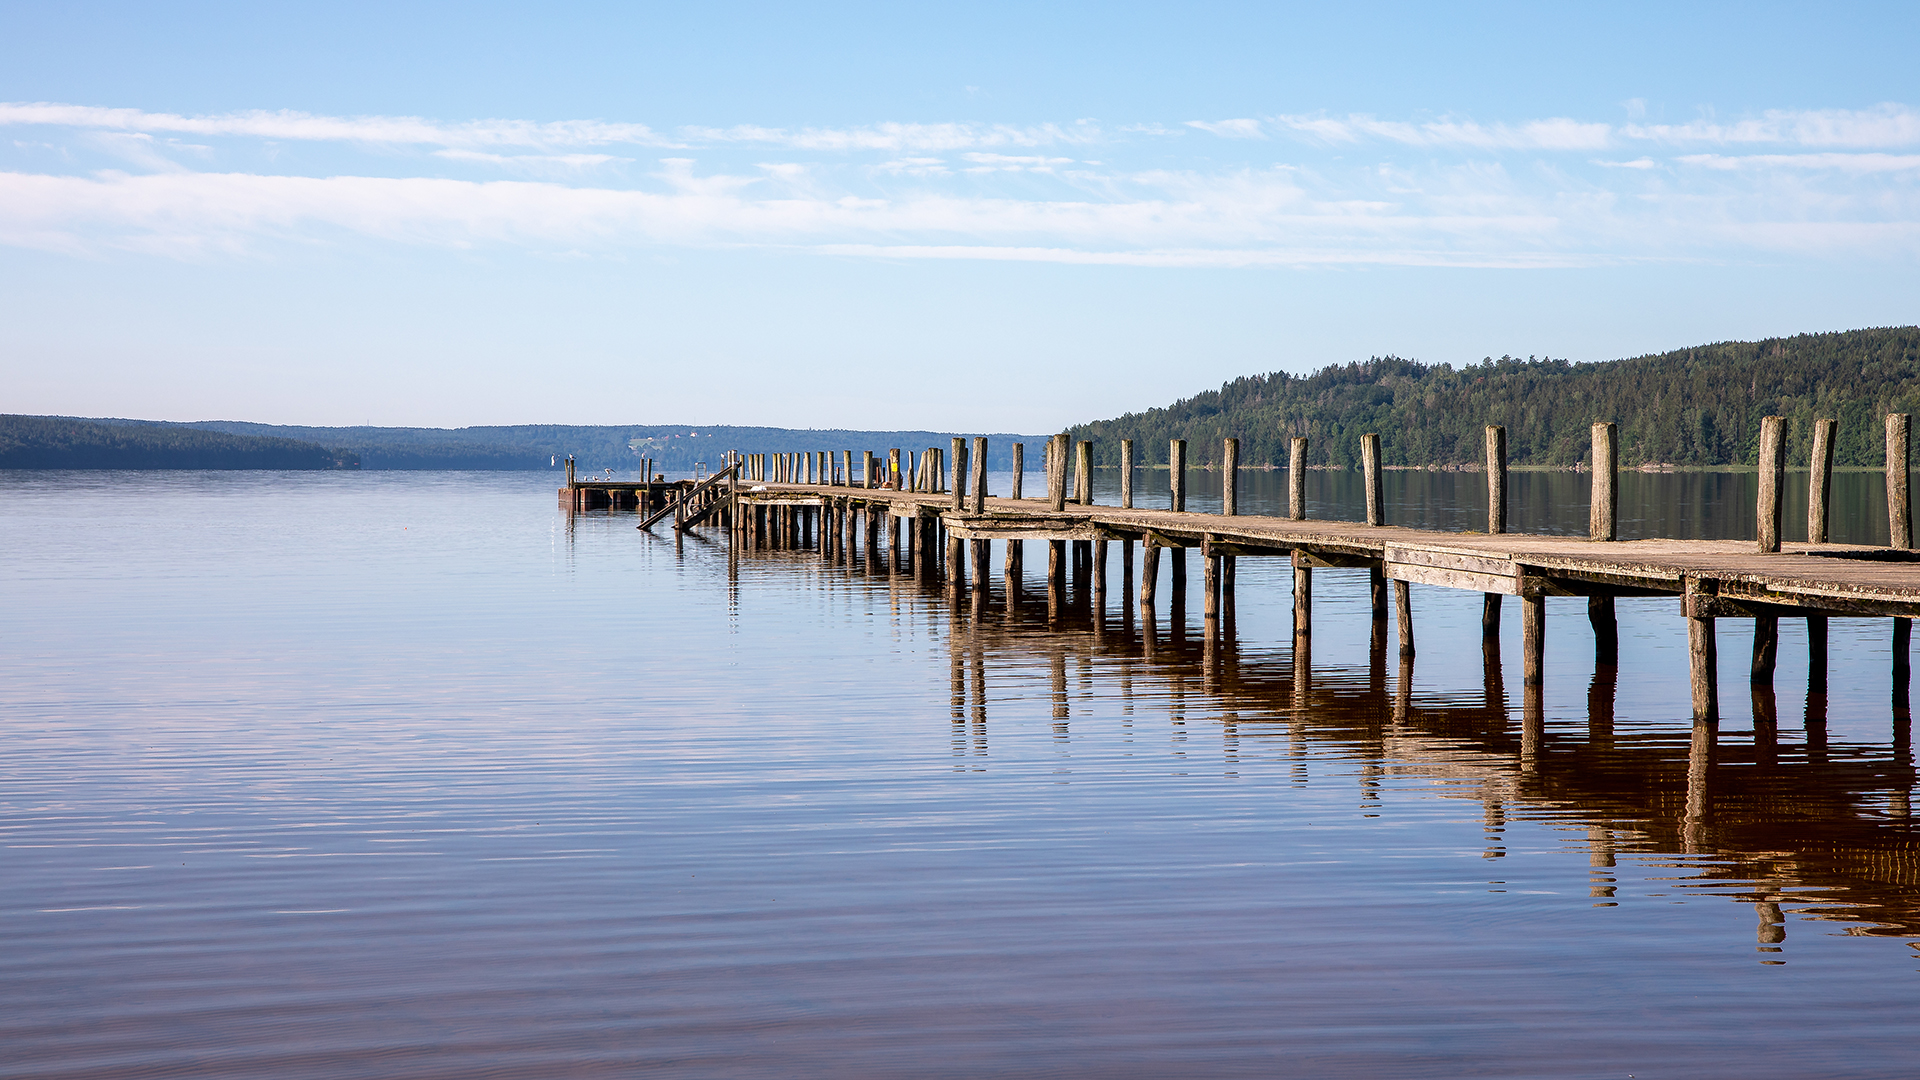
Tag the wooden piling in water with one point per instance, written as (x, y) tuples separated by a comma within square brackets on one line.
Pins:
[(1533, 638), (1126, 473), (1302, 599), (895, 478), (1820, 481), (1149, 572), (1019, 469), (1702, 655), (1403, 606), (1083, 473)]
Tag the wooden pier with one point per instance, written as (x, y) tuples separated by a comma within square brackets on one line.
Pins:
[(933, 510)]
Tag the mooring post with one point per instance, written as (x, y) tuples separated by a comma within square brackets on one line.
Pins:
[(1177, 473), (1230, 478), (1773, 475), (895, 479), (1376, 515), (1820, 481), (1496, 518), (958, 480), (1297, 479), (1057, 473), (1019, 468), (1899, 528), (1603, 513), (979, 478), (1126, 473), (1083, 473)]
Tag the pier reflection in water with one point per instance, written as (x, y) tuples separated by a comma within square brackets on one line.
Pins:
[(1761, 819)]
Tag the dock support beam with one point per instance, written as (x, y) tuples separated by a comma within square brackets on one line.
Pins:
[(1403, 604), (1702, 660), (1533, 639), (1302, 600)]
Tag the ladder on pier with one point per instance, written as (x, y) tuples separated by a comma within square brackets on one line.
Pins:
[(695, 505)]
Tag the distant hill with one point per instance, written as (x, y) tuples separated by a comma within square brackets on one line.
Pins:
[(48, 442), (57, 442), (1698, 406), (674, 448)]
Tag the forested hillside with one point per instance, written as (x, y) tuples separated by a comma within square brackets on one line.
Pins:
[(57, 442), (1699, 406)]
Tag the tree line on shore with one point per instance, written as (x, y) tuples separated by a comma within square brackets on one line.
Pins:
[(61, 442), (1691, 407)]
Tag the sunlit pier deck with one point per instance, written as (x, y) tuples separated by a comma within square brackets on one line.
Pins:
[(946, 510)]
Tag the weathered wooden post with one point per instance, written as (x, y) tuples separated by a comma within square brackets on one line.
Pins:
[(1603, 512), (1773, 474), (958, 479), (1820, 481), (1057, 473), (1149, 571), (895, 478), (1403, 606), (1297, 479), (1302, 599), (1177, 473), (979, 478), (1772, 484), (1702, 655), (1376, 515), (1899, 448), (1230, 478), (1083, 473), (1177, 482), (1533, 637), (1210, 593), (1019, 469), (1126, 473), (1496, 519), (1899, 531)]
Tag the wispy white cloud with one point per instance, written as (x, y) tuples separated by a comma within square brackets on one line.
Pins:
[(1553, 134), (530, 164), (1846, 163), (901, 137), (299, 126), (1887, 125), (1230, 129)]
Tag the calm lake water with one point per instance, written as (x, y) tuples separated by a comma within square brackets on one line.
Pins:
[(403, 774)]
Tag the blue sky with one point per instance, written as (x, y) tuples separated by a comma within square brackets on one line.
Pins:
[(973, 216)]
